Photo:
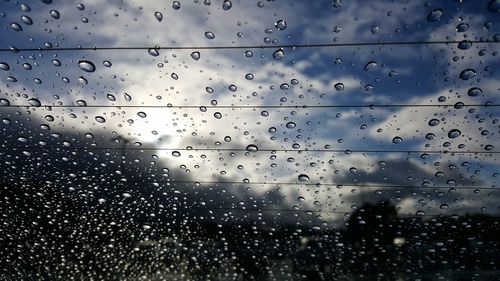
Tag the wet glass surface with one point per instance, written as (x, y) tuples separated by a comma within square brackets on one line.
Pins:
[(249, 140)]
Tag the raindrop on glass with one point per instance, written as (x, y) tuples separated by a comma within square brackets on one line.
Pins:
[(455, 133), (435, 15), (209, 35), (100, 119), (433, 122), (339, 87), (154, 52), (303, 177), (54, 14), (195, 55), (397, 140), (158, 16), (252, 148), (474, 92), (464, 45), (176, 5), (290, 125), (4, 66), (467, 74), (226, 5), (86, 65), (16, 26), (280, 25), (279, 54), (370, 65), (35, 102), (462, 27), (27, 20)]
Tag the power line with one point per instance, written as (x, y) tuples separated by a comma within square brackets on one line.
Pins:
[(200, 183), (345, 151), (372, 106), (287, 46)]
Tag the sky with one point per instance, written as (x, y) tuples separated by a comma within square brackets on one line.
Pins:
[(334, 125)]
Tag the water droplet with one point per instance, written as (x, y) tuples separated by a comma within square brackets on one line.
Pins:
[(467, 74), (154, 52), (303, 177), (158, 16), (280, 25), (16, 26), (433, 122), (127, 97), (176, 153), (248, 54), (81, 103), (462, 27), (11, 79), (375, 29), (4, 102), (264, 113), (301, 199), (174, 76), (226, 5), (203, 108), (4, 66), (279, 54), (397, 140), (249, 76), (420, 213), (227, 139), (455, 133), (290, 125), (56, 62), (100, 119), (6, 121), (232, 88), (80, 6), (141, 114), (82, 80), (27, 20), (55, 14), (107, 63), (176, 5), (435, 15), (27, 66), (195, 55), (218, 115), (494, 6), (252, 148), (34, 102), (474, 92), (489, 147), (339, 87), (464, 45), (272, 130), (86, 65), (25, 8), (370, 65), (111, 97)]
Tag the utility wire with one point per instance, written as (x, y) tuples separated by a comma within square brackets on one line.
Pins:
[(345, 151), (200, 183), (372, 106), (287, 46)]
